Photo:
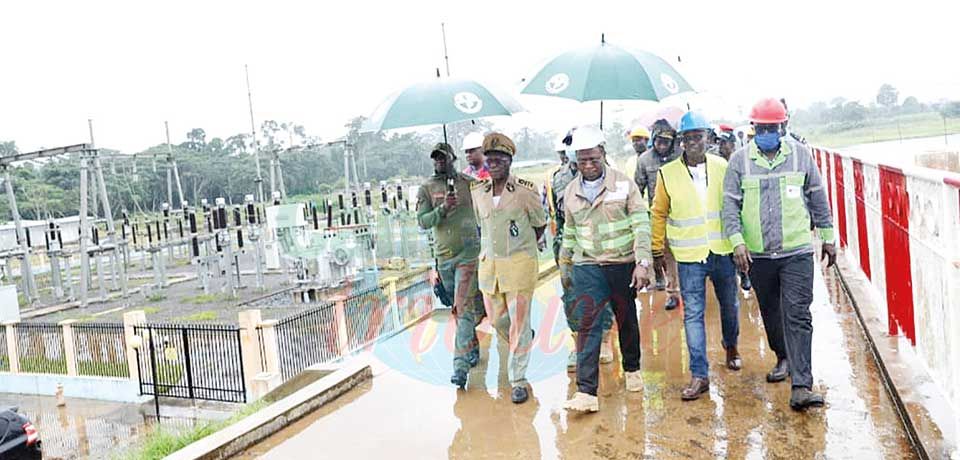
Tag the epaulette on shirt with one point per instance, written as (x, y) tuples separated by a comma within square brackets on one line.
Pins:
[(527, 184), (480, 183)]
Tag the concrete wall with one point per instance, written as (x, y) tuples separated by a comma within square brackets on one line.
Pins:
[(102, 388)]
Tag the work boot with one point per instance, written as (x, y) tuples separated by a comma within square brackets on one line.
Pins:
[(459, 379), (802, 398), (519, 395), (606, 349), (634, 380), (779, 372), (660, 284), (672, 302), (582, 402), (697, 387), (734, 362)]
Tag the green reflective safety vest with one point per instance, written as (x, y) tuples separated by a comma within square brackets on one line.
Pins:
[(692, 231)]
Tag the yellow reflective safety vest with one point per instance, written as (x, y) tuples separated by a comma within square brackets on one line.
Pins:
[(692, 231)]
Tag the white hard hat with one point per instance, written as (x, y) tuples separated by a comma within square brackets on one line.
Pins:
[(587, 137), (472, 141)]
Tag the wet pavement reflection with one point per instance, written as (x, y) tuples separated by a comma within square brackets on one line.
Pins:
[(409, 411)]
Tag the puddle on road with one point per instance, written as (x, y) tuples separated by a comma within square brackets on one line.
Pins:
[(400, 416)]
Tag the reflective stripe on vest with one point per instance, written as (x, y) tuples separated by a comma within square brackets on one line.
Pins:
[(692, 232)]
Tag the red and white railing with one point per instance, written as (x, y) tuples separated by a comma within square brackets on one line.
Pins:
[(901, 226)]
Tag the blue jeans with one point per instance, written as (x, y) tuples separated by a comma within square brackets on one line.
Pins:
[(693, 289)]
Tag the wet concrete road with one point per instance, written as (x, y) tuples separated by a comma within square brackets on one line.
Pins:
[(409, 411)]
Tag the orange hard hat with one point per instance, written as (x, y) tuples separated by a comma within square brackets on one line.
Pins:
[(768, 111)]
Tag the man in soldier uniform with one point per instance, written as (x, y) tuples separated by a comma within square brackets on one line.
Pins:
[(648, 166), (606, 240), (445, 205), (511, 223)]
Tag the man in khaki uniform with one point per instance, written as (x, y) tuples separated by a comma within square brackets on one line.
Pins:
[(606, 237), (511, 223), (445, 205)]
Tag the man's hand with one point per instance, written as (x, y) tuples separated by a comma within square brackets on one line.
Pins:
[(450, 202), (641, 278), (829, 251), (742, 258), (566, 280)]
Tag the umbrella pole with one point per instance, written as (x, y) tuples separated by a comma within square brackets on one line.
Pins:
[(601, 115), (445, 133)]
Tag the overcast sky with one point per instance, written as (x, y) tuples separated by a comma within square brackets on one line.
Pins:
[(131, 65)]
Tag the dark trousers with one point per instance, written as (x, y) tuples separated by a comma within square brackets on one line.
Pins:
[(596, 287), (784, 290)]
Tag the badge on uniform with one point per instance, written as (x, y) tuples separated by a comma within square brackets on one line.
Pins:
[(514, 229)]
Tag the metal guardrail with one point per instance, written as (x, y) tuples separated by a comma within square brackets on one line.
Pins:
[(100, 349), (306, 338), (40, 348)]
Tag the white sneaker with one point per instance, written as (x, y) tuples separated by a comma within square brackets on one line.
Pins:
[(606, 350), (582, 402), (634, 380)]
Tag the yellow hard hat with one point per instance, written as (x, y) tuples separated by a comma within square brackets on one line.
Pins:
[(640, 132)]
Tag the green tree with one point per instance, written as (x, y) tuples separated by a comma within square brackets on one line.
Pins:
[(888, 96)]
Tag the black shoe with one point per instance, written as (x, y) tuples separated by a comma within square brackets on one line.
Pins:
[(745, 282), (459, 379), (519, 395), (660, 285), (473, 358), (779, 372), (672, 303), (802, 398)]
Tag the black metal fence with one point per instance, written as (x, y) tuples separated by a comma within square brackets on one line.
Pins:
[(4, 357), (40, 348), (368, 316), (307, 338), (191, 361), (415, 300), (100, 349)]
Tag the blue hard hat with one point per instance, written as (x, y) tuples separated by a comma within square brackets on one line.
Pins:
[(693, 121)]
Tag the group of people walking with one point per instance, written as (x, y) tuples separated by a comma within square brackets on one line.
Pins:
[(698, 206)]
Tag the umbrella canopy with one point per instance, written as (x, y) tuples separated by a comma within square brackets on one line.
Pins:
[(670, 113), (607, 72), (440, 101)]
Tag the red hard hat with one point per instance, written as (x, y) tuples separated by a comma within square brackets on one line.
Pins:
[(768, 111), (725, 127)]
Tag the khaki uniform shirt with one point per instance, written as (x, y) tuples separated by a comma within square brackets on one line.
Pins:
[(508, 242)]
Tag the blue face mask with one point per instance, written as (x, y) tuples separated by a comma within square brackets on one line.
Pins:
[(767, 142)]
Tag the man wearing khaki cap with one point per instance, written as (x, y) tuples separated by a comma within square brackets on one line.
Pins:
[(511, 222)]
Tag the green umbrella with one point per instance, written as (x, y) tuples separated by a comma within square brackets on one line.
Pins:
[(438, 102), (607, 72)]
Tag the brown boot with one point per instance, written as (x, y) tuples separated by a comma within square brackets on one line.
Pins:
[(697, 387), (734, 362)]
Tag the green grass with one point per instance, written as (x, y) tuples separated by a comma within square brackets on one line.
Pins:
[(156, 297), (879, 129), (163, 441), (201, 316), (42, 365), (207, 298), (149, 310), (104, 369)]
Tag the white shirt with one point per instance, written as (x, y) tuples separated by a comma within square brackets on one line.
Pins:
[(496, 201), (699, 175)]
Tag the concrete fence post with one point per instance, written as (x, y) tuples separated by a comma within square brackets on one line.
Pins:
[(13, 351), (391, 283), (340, 319), (69, 347), (249, 346), (271, 347), (132, 341)]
